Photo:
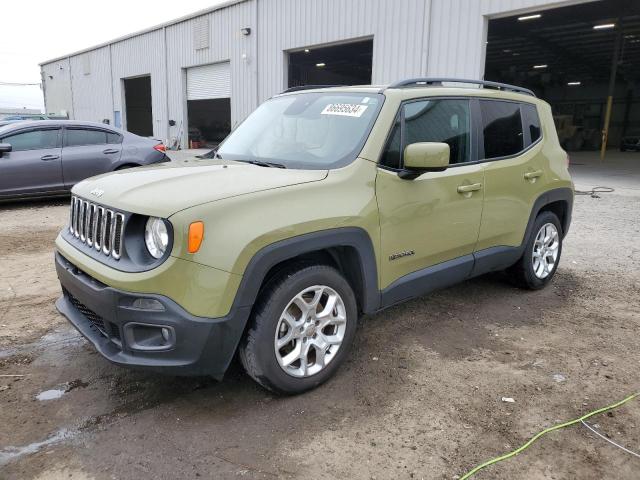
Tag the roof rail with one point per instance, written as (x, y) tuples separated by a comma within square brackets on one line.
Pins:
[(307, 87), (417, 82)]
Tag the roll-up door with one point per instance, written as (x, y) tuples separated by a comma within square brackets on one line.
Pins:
[(209, 81)]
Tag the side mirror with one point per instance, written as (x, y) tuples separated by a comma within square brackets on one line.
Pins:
[(424, 157), (5, 148)]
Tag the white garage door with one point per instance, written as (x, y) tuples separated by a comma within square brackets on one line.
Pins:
[(209, 81)]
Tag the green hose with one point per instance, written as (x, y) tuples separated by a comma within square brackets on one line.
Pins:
[(544, 432)]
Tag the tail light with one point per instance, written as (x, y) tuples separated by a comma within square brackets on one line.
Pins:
[(568, 160), (160, 148)]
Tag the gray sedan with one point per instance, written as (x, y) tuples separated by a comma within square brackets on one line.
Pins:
[(48, 157)]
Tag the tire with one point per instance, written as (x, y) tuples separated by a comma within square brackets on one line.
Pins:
[(532, 275), (126, 166), (283, 304)]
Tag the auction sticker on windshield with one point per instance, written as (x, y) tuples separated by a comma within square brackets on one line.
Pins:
[(344, 109)]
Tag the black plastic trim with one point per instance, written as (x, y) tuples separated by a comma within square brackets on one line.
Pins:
[(201, 346), (427, 280), (134, 257), (483, 261), (283, 250)]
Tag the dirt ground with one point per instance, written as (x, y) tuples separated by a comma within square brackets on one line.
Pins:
[(419, 397)]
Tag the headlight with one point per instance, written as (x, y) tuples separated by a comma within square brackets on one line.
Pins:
[(156, 237)]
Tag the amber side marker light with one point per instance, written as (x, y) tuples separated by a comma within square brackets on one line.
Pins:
[(196, 234)]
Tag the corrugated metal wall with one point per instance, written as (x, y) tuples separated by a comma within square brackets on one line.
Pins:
[(410, 38), (458, 33), (138, 56), (227, 44), (91, 81), (397, 27), (57, 87)]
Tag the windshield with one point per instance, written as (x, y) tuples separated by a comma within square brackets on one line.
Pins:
[(306, 130)]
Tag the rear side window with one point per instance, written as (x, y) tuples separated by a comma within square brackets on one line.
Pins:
[(502, 127), (33, 140), (113, 137), (77, 137), (531, 122)]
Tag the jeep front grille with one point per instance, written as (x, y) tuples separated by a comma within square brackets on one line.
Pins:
[(97, 227)]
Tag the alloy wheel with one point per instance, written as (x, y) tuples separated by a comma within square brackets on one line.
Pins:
[(310, 331), (545, 250)]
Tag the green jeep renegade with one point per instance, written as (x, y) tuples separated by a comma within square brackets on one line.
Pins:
[(323, 205)]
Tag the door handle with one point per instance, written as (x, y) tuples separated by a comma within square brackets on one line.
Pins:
[(109, 151), (533, 175), (49, 157), (469, 188)]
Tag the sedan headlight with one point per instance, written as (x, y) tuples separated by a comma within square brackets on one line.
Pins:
[(156, 237)]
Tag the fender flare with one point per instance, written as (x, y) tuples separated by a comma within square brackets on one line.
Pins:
[(557, 194), (275, 253)]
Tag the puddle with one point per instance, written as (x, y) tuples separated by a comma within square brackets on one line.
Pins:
[(50, 394), (52, 343), (11, 453), (56, 393)]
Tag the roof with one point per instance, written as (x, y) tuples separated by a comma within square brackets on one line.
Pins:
[(413, 88), (54, 123), (160, 26)]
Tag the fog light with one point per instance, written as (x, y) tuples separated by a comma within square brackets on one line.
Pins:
[(165, 334), (148, 304), (147, 337)]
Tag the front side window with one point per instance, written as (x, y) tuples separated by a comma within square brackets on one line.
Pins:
[(76, 137), (531, 122), (502, 127), (33, 140), (440, 120), (391, 156), (436, 120), (305, 130)]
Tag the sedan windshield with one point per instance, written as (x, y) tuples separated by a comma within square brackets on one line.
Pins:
[(305, 130)]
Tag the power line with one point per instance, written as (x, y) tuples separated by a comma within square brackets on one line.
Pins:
[(19, 84)]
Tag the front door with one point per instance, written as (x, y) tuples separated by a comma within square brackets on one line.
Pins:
[(33, 166), (434, 218)]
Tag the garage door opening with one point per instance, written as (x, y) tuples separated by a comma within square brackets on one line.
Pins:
[(137, 100), (575, 58), (208, 104), (345, 64)]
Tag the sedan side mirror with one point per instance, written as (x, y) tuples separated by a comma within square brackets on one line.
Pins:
[(424, 157), (5, 148)]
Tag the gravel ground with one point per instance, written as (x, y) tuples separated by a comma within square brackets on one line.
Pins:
[(419, 397)]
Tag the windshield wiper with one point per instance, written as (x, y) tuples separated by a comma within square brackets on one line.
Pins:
[(261, 163)]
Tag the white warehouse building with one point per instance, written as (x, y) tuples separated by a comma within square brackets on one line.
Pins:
[(195, 78)]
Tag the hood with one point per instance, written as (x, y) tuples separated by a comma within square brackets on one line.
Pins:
[(165, 188)]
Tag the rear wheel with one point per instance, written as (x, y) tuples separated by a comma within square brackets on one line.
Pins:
[(301, 329), (541, 256), (127, 166)]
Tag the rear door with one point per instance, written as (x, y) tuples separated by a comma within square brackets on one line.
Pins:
[(34, 164), (87, 152), (514, 170)]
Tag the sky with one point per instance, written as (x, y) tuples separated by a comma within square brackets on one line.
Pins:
[(37, 30)]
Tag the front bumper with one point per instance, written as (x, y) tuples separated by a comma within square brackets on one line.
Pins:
[(106, 317)]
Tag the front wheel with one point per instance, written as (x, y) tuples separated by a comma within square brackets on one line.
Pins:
[(301, 329), (541, 256)]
